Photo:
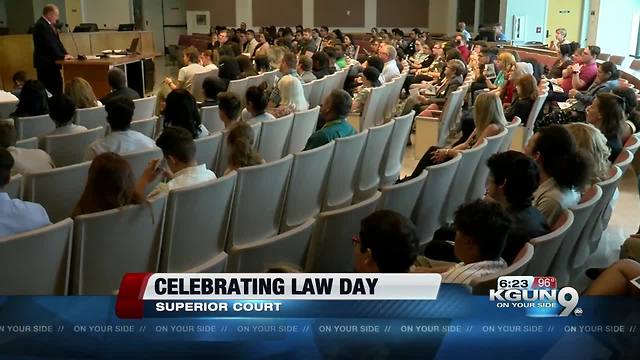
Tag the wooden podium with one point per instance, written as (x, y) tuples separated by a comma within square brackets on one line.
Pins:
[(95, 72)]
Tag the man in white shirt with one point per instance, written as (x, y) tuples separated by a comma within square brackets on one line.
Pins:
[(251, 44), (191, 58), (62, 111), (179, 164), (26, 161), (16, 216), (121, 140), (481, 235), (388, 54)]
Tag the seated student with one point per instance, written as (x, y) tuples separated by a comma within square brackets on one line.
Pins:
[(564, 170), (507, 91), (335, 109), (246, 66), (292, 98), (606, 113), (118, 83), (592, 142), (26, 161), (481, 234), (513, 178), (564, 59), (388, 55), (230, 109), (287, 67), (110, 185), (583, 72), (241, 150), (630, 110), (452, 81), (33, 100), (257, 101), (180, 165), (18, 79), (526, 95), (341, 61), (181, 111), (208, 60), (262, 64), (387, 243), (81, 92), (370, 79), (121, 140), (211, 87), (16, 216), (191, 59), (616, 280), (228, 70), (304, 69), (321, 66), (62, 111)]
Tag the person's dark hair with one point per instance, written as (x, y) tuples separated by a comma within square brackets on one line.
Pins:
[(8, 135), (320, 61), (339, 34), (290, 59), (229, 69), (574, 46), (110, 185), (376, 61), (212, 86), (611, 107), (117, 79), (325, 28), (330, 51), (340, 102), (487, 224), (569, 166), (594, 50), (19, 76), (61, 109), (258, 99), (392, 240), (192, 54), (262, 63), (610, 68), (252, 32), (453, 54), (181, 110), (518, 173), (33, 100), (246, 66), (242, 152), (372, 74), (631, 103), (119, 113), (177, 142), (229, 104), (6, 163), (566, 50)]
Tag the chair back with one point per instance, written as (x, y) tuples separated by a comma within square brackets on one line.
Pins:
[(304, 125), (462, 180), (145, 108), (270, 79), (477, 186), (7, 108), (482, 286), (14, 187), (37, 262), (146, 126), (287, 248), (196, 223), (373, 111), (344, 170), (57, 190), (426, 215), (368, 179), (274, 137), (331, 248), (255, 80), (109, 244), (92, 117), (392, 160), (307, 185), (632, 144), (306, 88), (208, 150), (315, 95), (533, 116), (69, 149), (140, 159), (33, 126), (450, 112), (546, 246), (30, 143), (394, 93), (402, 197), (210, 116), (239, 88), (259, 198), (623, 160), (198, 80), (511, 131)]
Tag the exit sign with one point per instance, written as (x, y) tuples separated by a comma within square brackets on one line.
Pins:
[(565, 11)]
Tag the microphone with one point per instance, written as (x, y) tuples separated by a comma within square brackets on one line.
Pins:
[(80, 56)]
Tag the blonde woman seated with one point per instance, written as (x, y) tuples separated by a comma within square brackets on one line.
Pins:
[(241, 151), (81, 92), (489, 121), (370, 79), (292, 97), (594, 143)]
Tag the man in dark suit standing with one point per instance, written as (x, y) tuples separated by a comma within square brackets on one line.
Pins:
[(48, 49)]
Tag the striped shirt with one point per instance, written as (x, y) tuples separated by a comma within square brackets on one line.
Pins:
[(464, 274)]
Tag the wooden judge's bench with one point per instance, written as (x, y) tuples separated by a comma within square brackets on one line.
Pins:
[(16, 53)]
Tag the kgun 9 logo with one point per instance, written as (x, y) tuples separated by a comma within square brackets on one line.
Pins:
[(538, 299)]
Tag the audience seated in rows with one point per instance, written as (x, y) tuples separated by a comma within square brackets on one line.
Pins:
[(591, 140), (292, 97), (305, 64), (179, 164), (387, 243), (606, 113), (182, 111), (230, 109), (334, 110), (121, 139), (118, 83), (370, 79), (16, 216), (81, 92), (26, 161), (191, 59), (62, 111), (388, 55), (211, 87), (241, 150), (526, 95), (256, 108), (453, 79), (110, 185), (33, 100)]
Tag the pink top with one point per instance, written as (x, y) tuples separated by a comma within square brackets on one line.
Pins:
[(587, 74)]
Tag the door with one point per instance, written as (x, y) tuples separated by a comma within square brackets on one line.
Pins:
[(565, 14), (74, 13), (152, 21), (175, 20)]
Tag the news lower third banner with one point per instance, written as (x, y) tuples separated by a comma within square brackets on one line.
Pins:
[(313, 316)]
